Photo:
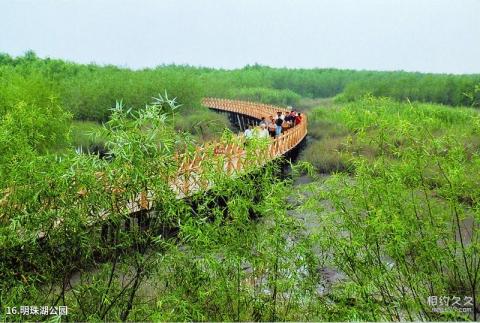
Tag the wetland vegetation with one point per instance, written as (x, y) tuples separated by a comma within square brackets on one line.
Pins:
[(391, 206)]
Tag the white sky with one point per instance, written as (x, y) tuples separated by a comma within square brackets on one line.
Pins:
[(413, 35)]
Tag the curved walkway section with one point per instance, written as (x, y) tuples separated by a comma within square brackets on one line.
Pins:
[(232, 158), (281, 145)]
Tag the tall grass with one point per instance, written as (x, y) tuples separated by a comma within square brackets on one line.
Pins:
[(338, 131), (90, 91), (86, 133), (405, 217), (266, 95)]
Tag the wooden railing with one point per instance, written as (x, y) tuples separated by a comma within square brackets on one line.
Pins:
[(231, 158), (198, 170), (284, 143)]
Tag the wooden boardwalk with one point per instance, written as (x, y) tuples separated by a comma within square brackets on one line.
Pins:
[(232, 157), (200, 169), (279, 146)]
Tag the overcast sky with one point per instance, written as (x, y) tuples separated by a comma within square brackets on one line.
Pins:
[(412, 35)]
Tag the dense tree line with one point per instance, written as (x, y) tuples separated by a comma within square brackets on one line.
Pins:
[(89, 91), (445, 89), (349, 84)]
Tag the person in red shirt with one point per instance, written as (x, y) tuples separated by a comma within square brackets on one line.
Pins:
[(298, 119)]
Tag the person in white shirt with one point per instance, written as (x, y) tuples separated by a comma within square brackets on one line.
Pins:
[(263, 122), (249, 132), (263, 133)]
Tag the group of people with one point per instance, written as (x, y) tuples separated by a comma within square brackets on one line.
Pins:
[(274, 127)]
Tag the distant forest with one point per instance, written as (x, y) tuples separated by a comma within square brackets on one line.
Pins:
[(89, 91)]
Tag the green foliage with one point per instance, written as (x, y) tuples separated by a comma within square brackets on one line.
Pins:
[(204, 125), (474, 96), (270, 96), (326, 155), (337, 130), (398, 220), (86, 133), (54, 213), (29, 129), (406, 223), (68, 238), (90, 91), (31, 88), (231, 269), (444, 89), (326, 150)]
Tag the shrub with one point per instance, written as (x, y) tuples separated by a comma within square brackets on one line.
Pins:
[(326, 155), (269, 96), (204, 124)]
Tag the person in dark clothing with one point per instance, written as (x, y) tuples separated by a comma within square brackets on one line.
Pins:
[(290, 117), (278, 124)]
